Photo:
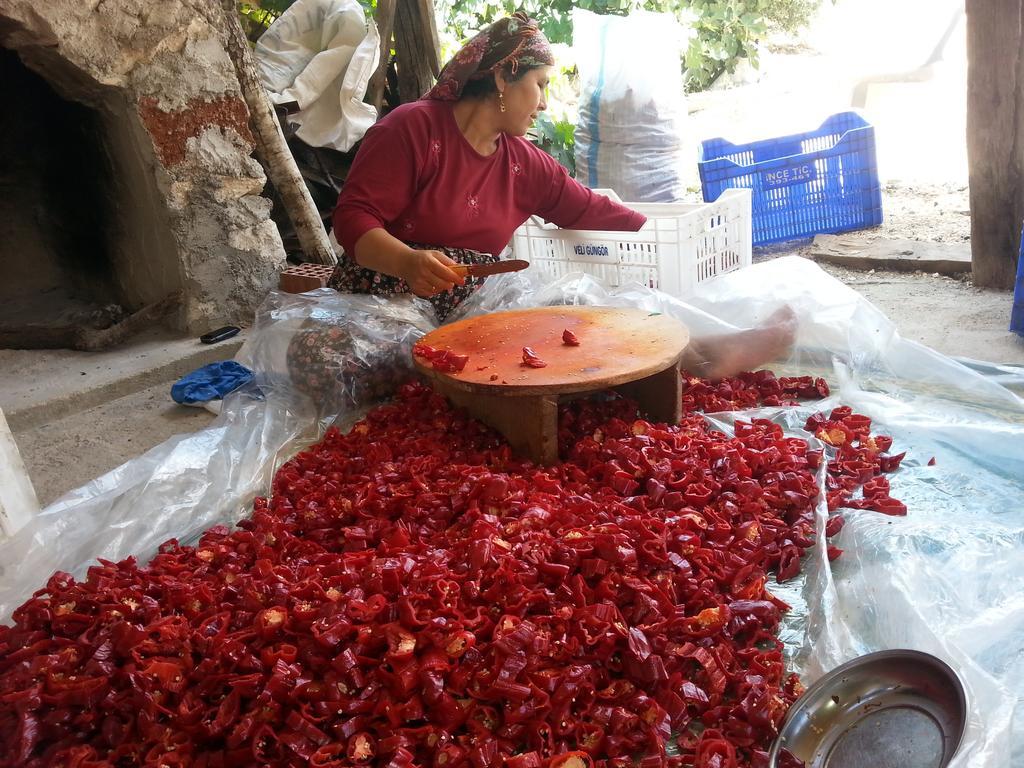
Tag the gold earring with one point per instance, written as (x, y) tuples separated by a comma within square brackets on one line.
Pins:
[(501, 101)]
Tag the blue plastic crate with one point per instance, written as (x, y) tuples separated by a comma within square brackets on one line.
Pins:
[(803, 185), (1017, 313)]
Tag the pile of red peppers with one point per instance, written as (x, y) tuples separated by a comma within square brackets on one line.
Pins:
[(749, 390), (411, 594)]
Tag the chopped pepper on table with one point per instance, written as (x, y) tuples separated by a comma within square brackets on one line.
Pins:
[(531, 360)]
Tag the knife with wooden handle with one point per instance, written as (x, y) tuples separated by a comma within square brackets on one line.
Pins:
[(493, 268)]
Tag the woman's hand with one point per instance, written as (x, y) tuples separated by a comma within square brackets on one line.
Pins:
[(429, 273)]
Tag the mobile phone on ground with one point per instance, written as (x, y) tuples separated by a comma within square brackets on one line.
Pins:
[(220, 334)]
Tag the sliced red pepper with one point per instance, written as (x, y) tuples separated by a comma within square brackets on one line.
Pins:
[(888, 506), (450, 362), (401, 642), (450, 756), (362, 748), (571, 760), (271, 620), (834, 525), (328, 756), (425, 350), (890, 463), (524, 760), (708, 622), (569, 338), (531, 360), (441, 359)]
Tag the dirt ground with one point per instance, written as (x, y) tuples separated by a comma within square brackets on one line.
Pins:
[(947, 314), (927, 211)]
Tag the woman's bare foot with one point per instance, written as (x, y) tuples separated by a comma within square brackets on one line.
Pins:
[(718, 356)]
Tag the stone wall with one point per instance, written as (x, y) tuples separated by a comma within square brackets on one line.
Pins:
[(189, 216)]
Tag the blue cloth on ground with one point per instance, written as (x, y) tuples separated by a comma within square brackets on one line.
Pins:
[(210, 382)]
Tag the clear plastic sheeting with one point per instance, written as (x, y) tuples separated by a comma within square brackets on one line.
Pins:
[(946, 579), (340, 353), (191, 482), (176, 490)]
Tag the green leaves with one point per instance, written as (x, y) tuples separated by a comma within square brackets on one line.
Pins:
[(557, 138), (276, 7), (728, 31), (724, 32), (258, 15)]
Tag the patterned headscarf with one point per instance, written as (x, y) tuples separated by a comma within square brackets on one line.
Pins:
[(510, 43)]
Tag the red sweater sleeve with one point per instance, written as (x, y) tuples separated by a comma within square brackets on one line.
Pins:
[(570, 205), (380, 183)]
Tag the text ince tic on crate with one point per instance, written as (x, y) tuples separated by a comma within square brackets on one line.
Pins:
[(787, 176)]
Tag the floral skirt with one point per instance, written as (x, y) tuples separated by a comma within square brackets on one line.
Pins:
[(340, 368), (349, 277)]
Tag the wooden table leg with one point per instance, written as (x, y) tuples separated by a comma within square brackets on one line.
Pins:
[(659, 395), (529, 423)]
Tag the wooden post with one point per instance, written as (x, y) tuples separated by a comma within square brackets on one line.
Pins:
[(385, 18), (417, 50), (272, 148), (995, 137), (18, 504)]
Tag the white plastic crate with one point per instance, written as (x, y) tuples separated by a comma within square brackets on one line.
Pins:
[(680, 246)]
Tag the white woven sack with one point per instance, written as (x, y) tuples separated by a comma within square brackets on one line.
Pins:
[(321, 54), (632, 105)]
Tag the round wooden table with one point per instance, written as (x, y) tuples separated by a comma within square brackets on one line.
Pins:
[(630, 350)]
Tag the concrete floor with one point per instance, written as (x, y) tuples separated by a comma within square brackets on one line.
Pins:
[(69, 452), (76, 415), (40, 386)]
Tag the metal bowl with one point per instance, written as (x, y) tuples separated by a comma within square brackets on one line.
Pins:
[(891, 709)]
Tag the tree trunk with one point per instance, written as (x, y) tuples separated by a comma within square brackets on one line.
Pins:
[(385, 18), (417, 51), (995, 137), (272, 148)]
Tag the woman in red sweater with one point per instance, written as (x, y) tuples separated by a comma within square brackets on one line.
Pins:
[(447, 179)]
